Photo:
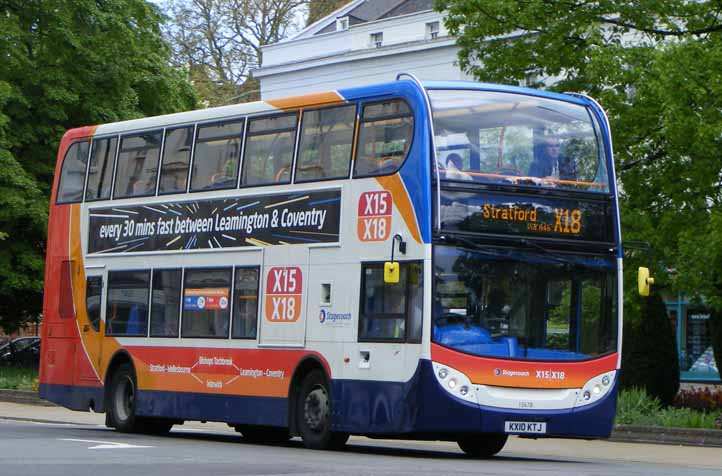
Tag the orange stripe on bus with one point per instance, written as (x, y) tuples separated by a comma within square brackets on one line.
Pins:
[(315, 99), (394, 185)]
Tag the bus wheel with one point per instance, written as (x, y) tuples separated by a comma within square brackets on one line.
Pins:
[(314, 414), (483, 446), (263, 434), (122, 399)]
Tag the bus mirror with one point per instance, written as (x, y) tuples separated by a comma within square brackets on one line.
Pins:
[(391, 272), (644, 281)]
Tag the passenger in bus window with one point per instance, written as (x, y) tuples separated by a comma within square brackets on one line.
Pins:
[(454, 166), (549, 162)]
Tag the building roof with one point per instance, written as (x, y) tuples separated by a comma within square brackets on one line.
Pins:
[(371, 10)]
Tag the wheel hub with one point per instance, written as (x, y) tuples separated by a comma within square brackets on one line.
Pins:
[(316, 409)]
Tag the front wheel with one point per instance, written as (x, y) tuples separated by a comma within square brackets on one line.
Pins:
[(484, 445), (314, 414)]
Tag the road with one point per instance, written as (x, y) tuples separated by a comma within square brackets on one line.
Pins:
[(32, 446)]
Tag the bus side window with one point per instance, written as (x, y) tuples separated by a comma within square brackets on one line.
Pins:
[(176, 158), (93, 295), (165, 299), (245, 306), (216, 156), (72, 175), (391, 311), (100, 175), (137, 165), (326, 143), (269, 150), (384, 138), (206, 302), (126, 312)]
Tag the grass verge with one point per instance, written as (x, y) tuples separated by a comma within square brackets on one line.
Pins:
[(635, 407), (18, 378)]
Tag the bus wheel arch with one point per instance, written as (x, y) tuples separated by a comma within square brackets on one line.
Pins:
[(310, 407)]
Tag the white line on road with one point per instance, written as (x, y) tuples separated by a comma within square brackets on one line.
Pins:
[(106, 445)]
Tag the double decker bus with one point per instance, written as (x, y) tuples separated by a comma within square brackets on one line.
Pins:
[(423, 261)]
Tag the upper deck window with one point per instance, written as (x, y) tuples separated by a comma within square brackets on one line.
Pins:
[(176, 157), (100, 175), (505, 138), (215, 160), (269, 150), (137, 165), (72, 175), (326, 143), (384, 137)]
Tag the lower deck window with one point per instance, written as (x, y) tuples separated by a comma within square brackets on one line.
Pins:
[(127, 309), (165, 311), (391, 311), (206, 302)]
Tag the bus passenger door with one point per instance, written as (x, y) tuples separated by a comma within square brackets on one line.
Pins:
[(90, 310), (283, 284)]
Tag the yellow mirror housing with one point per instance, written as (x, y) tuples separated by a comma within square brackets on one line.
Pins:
[(391, 272), (644, 281)]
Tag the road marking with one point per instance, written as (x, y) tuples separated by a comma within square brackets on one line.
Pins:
[(106, 445)]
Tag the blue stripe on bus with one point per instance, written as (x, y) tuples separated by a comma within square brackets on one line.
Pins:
[(328, 200), (310, 240), (416, 407)]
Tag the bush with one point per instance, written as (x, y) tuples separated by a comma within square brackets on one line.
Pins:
[(649, 353), (699, 399), (635, 407)]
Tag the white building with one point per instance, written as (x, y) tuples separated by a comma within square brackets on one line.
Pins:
[(364, 42)]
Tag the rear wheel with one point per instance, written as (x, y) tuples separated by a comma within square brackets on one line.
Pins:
[(122, 399), (484, 445), (314, 414), (122, 406)]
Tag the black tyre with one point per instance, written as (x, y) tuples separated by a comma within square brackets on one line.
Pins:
[(122, 399), (484, 445), (122, 406), (314, 414), (263, 434)]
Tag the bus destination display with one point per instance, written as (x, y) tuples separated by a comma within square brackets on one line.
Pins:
[(555, 218), (291, 218)]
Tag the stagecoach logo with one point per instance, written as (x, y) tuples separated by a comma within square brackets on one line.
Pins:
[(331, 318), (511, 373)]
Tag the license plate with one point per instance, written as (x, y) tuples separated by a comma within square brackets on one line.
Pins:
[(525, 427)]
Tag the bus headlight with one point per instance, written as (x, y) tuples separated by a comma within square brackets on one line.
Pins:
[(455, 382), (595, 388)]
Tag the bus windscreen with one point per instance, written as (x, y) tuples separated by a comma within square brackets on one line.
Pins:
[(495, 137)]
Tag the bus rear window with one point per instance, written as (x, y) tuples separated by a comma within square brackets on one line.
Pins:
[(72, 175), (384, 138)]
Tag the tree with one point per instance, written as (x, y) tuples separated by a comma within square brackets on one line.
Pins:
[(66, 63), (656, 67), (650, 360), (220, 42), (320, 8)]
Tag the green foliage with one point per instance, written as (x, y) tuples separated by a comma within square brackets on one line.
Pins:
[(66, 63), (18, 378), (635, 407), (656, 67), (650, 360)]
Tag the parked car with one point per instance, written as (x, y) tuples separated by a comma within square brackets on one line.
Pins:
[(23, 351)]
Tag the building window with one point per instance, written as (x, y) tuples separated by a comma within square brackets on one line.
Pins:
[(432, 30), (342, 24), (376, 39)]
